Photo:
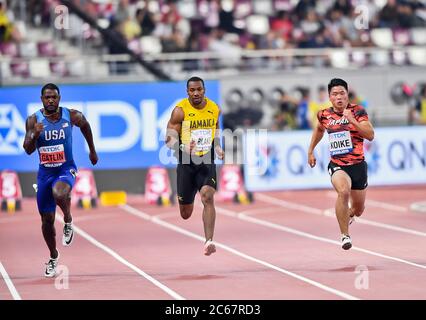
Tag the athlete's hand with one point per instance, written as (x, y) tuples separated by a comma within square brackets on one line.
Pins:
[(38, 128), (190, 148), (311, 159), (348, 115), (219, 152), (93, 156)]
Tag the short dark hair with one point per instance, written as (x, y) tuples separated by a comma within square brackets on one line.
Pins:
[(335, 82), (193, 79), (51, 86)]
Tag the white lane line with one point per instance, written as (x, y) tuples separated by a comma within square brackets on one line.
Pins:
[(418, 206), (387, 206), (330, 213), (311, 236), (9, 283), (375, 203), (95, 217), (116, 256), (157, 220)]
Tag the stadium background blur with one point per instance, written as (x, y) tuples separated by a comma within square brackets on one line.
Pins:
[(124, 63)]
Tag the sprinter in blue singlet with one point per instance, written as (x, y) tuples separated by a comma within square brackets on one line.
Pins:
[(49, 130)]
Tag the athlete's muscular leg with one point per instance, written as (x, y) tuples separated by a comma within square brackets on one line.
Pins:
[(186, 210), (49, 232), (357, 202), (62, 194), (342, 184), (209, 211)]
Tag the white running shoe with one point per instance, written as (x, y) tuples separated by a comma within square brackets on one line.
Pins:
[(209, 248), (50, 271), (68, 235), (351, 219), (346, 242)]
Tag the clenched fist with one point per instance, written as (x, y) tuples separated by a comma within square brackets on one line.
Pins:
[(38, 128)]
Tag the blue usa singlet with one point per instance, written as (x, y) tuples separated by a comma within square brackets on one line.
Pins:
[(54, 145)]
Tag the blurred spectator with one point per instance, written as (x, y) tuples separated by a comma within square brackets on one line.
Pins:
[(282, 25), (356, 99), (226, 19), (323, 102), (343, 6), (122, 13), (5, 25), (209, 11), (130, 29), (299, 24), (418, 111), (388, 16), (116, 32), (230, 51), (302, 8), (303, 117), (40, 12), (172, 29), (8, 32), (221, 26), (146, 20), (272, 40), (175, 42), (310, 25), (285, 118)]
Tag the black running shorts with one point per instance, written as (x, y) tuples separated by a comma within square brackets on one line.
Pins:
[(357, 173), (192, 177)]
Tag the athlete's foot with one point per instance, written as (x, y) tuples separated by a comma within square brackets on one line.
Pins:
[(51, 265), (346, 242), (209, 248), (68, 235), (351, 219)]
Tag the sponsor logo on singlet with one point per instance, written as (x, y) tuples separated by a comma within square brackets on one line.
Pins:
[(52, 156)]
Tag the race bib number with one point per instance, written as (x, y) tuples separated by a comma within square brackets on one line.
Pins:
[(52, 156), (340, 142), (202, 138)]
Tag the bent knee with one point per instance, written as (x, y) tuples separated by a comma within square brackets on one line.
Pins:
[(61, 195), (358, 211), (186, 213), (207, 197), (344, 193), (47, 220)]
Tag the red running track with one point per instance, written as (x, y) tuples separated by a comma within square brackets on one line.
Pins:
[(283, 246)]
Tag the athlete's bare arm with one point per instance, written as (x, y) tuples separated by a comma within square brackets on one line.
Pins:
[(364, 128), (78, 119), (33, 131), (174, 127), (317, 135), (218, 149)]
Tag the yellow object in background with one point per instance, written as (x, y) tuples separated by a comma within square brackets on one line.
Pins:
[(86, 203), (242, 198), (11, 205), (113, 198), (165, 201)]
